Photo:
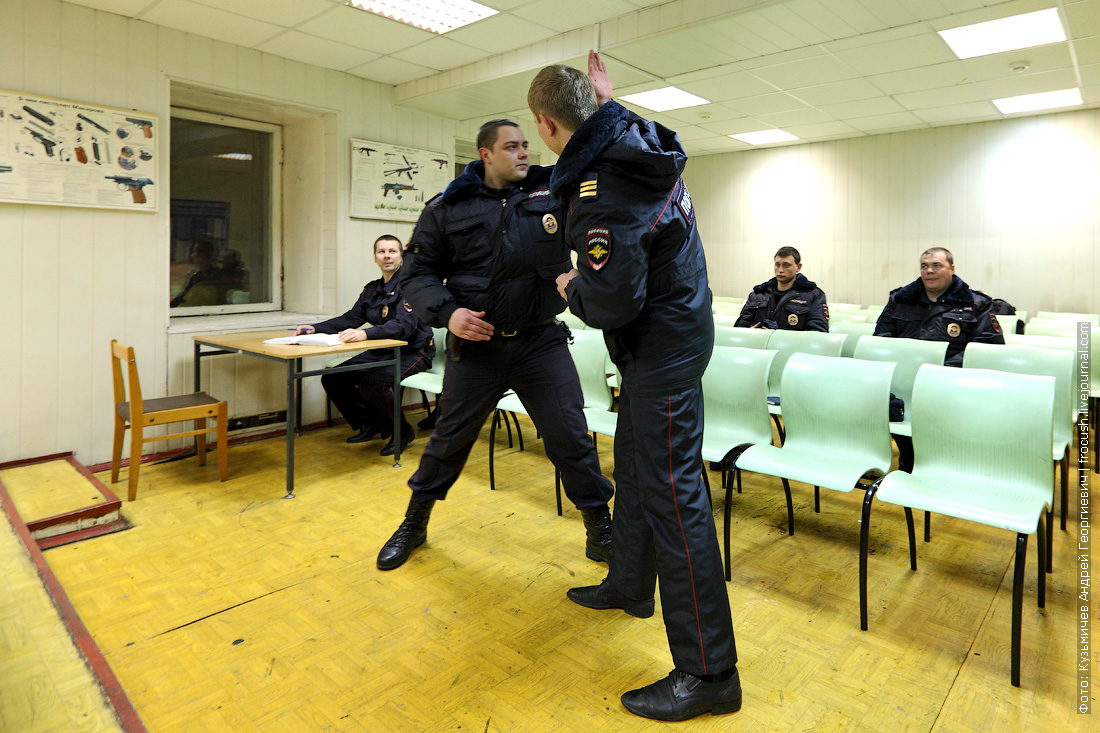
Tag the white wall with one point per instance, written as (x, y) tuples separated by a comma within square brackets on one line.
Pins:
[(73, 279), (1016, 201)]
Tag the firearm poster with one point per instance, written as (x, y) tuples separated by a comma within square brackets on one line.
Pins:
[(65, 153), (394, 182)]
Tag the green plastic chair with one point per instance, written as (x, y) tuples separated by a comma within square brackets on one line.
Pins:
[(875, 309), (745, 338), (1065, 316), (837, 307), (980, 439), (1058, 363), (1007, 323), (849, 316), (1056, 329), (431, 380), (786, 343), (1022, 315), (909, 355), (735, 413), (837, 415), (852, 332), (574, 323), (727, 318)]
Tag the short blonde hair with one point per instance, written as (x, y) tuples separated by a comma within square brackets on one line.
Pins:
[(563, 93)]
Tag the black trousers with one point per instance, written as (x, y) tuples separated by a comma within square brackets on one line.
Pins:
[(366, 399), (663, 529), (537, 365), (905, 452)]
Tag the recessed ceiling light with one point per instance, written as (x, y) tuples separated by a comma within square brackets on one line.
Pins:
[(1043, 100), (1007, 34), (437, 16), (662, 100), (764, 137)]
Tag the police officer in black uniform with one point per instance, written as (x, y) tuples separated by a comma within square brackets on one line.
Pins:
[(938, 306), (366, 398), (643, 280), (482, 263), (788, 301)]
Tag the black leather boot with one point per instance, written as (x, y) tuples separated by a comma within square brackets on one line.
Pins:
[(681, 696), (597, 525), (407, 435), (603, 597), (411, 534)]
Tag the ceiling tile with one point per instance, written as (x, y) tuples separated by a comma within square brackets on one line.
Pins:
[(713, 112), (765, 104), (1091, 95), (719, 144), (440, 53), (795, 117), (210, 22), (1083, 18), (129, 8), (312, 50), (691, 132), (500, 33), (821, 16), (567, 15), (736, 127), (284, 14), (784, 57), (358, 28), (801, 22), (879, 123), (996, 66), (823, 130), (819, 70), (1088, 50), (389, 70), (1030, 84), (727, 86), (936, 76), (862, 108), (959, 112), (904, 53), (877, 35), (941, 97), (1090, 75), (841, 91)]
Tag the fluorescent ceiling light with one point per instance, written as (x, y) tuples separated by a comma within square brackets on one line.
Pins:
[(235, 156), (662, 100), (1007, 34), (764, 137), (437, 16), (1043, 100)]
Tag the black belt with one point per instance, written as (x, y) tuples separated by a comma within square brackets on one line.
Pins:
[(525, 329)]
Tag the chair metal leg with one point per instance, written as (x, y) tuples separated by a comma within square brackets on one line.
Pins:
[(135, 460), (1041, 548), (116, 451), (912, 537), (726, 525), (779, 427), (507, 425), (706, 482), (1065, 487), (817, 499), (790, 507), (1050, 540), (1017, 605), (864, 540), (737, 475), (492, 446), (519, 433), (557, 488)]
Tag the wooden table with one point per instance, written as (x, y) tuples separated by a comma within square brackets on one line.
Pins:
[(253, 343)]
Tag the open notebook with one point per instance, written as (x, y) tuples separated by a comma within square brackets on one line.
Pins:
[(307, 339)]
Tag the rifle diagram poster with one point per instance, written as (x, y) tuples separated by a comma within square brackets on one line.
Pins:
[(66, 153), (393, 182)]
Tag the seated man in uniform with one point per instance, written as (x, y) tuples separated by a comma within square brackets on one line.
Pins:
[(367, 398), (788, 301), (938, 306)]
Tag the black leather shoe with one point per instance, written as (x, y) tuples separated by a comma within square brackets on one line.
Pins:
[(681, 696), (602, 597), (363, 436), (412, 533), (428, 423), (407, 437), (597, 525)]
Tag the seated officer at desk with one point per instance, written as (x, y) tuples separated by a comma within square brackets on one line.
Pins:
[(367, 398)]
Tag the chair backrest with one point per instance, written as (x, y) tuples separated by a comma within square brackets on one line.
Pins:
[(987, 428), (1007, 323), (1022, 315), (726, 318), (1041, 342), (837, 307), (734, 392), (120, 354), (589, 354), (786, 343), (837, 406), (1060, 329), (574, 323), (1065, 316), (849, 316), (908, 354), (852, 333), (745, 338), (876, 309), (1057, 363)]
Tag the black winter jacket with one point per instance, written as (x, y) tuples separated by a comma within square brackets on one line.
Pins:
[(801, 307), (959, 316), (487, 250), (643, 276), (381, 305)]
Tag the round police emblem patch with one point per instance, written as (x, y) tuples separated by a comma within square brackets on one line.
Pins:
[(549, 223), (385, 311), (792, 320), (952, 329)]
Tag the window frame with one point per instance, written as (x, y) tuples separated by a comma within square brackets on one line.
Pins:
[(275, 215)]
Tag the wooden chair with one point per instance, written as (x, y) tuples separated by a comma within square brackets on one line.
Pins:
[(138, 414)]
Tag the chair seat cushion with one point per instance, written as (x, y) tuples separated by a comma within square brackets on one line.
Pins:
[(163, 404), (426, 381), (835, 471), (601, 421), (1016, 509), (511, 403)]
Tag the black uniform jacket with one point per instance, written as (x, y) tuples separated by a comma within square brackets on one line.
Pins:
[(391, 317), (959, 316), (801, 307), (488, 250), (643, 276)]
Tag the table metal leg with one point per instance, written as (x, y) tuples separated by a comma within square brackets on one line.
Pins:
[(398, 404), (290, 425), (298, 399), (198, 362)]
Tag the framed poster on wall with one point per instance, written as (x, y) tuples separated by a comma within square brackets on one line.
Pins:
[(66, 153), (393, 182)]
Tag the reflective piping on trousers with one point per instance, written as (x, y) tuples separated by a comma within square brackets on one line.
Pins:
[(687, 552)]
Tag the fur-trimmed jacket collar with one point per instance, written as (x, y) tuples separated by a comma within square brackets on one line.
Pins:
[(472, 180), (958, 293), (801, 282)]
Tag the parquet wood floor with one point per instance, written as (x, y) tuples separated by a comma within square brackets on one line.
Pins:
[(46, 489), (230, 608)]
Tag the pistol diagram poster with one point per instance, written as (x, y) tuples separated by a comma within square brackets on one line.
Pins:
[(394, 182), (66, 153)]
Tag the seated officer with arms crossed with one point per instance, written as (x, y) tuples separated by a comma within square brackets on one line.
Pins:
[(938, 306), (367, 398), (788, 301)]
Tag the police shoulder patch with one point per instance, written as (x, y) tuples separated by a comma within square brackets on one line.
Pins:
[(597, 246), (407, 306), (683, 202)]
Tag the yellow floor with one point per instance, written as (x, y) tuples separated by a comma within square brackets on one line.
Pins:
[(45, 684), (228, 607), (47, 489)]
